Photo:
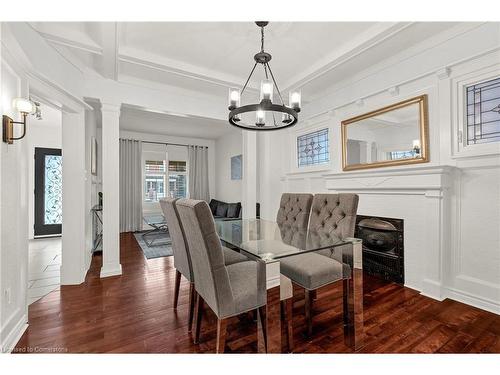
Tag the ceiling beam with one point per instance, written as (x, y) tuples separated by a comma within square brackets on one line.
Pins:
[(109, 34), (132, 56)]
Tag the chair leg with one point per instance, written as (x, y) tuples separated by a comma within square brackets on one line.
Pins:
[(308, 307), (221, 335), (192, 298), (289, 323), (177, 286), (198, 318), (261, 329)]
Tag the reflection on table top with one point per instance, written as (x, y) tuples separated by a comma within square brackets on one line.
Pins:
[(270, 241)]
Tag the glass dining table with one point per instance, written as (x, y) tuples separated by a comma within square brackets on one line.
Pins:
[(267, 242)]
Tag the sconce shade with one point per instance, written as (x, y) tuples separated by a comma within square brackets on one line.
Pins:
[(23, 105)]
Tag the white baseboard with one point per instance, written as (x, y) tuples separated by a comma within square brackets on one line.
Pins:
[(107, 271), (480, 303), (15, 335), (432, 289)]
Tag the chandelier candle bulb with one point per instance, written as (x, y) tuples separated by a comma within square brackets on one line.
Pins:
[(260, 118), (286, 118), (234, 98), (266, 90), (294, 100)]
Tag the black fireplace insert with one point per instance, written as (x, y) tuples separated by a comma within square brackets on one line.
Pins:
[(383, 246)]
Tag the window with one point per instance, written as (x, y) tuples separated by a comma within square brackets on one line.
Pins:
[(312, 148), (396, 155), (177, 179), (156, 174), (483, 112), (154, 185)]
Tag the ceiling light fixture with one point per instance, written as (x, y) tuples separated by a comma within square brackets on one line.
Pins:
[(287, 115)]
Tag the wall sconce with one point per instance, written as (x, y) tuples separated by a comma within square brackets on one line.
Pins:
[(24, 106)]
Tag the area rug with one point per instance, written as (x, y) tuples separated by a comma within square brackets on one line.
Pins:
[(161, 246)]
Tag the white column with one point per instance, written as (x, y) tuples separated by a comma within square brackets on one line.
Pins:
[(73, 199), (249, 198), (111, 190)]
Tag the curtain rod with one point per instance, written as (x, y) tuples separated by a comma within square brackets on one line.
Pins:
[(171, 144)]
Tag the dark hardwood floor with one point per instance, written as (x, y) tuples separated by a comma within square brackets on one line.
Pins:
[(133, 313)]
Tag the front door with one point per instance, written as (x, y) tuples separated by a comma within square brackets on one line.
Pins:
[(48, 191)]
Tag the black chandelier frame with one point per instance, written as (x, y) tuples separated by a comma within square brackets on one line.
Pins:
[(263, 58)]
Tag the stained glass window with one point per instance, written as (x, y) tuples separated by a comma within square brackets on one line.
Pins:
[(312, 148), (53, 190), (483, 112)]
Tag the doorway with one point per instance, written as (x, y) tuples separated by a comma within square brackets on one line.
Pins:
[(48, 192)]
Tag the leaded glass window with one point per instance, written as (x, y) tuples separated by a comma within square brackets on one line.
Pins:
[(483, 112), (53, 190), (312, 148)]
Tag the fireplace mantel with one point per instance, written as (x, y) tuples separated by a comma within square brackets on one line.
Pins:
[(407, 180), (421, 195)]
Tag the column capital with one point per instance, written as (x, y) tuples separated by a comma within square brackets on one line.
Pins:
[(110, 107)]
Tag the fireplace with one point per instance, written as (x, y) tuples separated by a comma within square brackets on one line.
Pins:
[(383, 246)]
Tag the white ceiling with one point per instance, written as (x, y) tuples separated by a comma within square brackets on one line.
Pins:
[(209, 57), (140, 120)]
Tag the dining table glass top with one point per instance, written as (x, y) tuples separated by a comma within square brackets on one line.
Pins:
[(270, 241)]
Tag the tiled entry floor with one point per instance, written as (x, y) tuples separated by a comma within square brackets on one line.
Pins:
[(44, 264)]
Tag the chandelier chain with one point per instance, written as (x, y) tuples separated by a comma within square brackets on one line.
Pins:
[(248, 79), (262, 39)]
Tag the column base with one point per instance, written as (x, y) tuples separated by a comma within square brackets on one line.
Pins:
[(111, 270)]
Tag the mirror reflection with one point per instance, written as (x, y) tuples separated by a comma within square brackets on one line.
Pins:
[(392, 135)]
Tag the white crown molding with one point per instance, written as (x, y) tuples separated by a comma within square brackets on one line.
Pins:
[(368, 39), (85, 46)]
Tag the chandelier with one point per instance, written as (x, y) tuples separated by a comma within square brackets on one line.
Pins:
[(264, 115)]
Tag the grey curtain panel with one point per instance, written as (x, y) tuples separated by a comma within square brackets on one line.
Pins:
[(198, 173), (130, 185)]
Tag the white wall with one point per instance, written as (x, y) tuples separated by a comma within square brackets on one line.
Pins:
[(469, 266), (13, 218), (226, 147), (42, 133), (31, 65), (92, 181)]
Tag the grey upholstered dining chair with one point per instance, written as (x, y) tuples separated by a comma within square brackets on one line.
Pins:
[(229, 290), (182, 258), (332, 215)]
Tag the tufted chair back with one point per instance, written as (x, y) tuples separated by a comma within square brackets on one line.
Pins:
[(182, 259), (333, 215), (293, 217), (210, 273)]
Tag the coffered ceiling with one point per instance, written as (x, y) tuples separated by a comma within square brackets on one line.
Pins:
[(209, 57)]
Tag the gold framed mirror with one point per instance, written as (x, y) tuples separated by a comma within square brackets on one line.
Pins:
[(393, 135)]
